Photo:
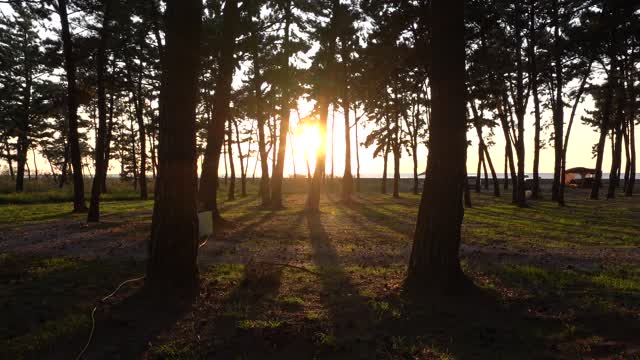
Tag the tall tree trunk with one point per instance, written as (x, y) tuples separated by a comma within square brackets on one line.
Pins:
[(434, 263), (94, 206), (285, 114), (467, 193), (72, 109), (632, 140), (414, 154), (533, 76), (506, 164), (9, 158), (494, 176), (478, 187), (508, 154), (384, 169), (333, 136), (558, 109), (396, 170), (172, 267), (265, 194), (520, 105), (616, 156), (313, 198), (606, 114), (107, 145), (565, 146), (357, 151), (208, 190), (134, 161), (482, 146), (142, 134), (65, 166), (231, 195), (35, 164), (243, 174), (23, 130), (347, 178)]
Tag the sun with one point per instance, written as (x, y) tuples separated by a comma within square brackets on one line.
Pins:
[(308, 139)]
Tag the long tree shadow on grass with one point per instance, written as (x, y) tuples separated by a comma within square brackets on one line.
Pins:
[(403, 223), (348, 311)]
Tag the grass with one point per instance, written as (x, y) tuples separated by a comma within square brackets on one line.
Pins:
[(552, 282), (45, 301)]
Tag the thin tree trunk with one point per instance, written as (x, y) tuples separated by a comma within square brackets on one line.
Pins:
[(35, 164), (94, 206), (243, 175), (333, 122), (231, 195), (107, 146), (632, 141), (494, 176), (558, 110), (285, 114), (467, 193), (313, 198), (535, 187), (172, 264), (616, 156), (72, 109), (565, 146), (604, 125), (414, 154), (265, 194), (357, 151), (478, 187), (384, 169), (208, 190), (434, 264), (347, 177), (508, 155), (396, 170), (9, 158)]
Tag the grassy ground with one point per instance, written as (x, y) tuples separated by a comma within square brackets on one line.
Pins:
[(551, 283)]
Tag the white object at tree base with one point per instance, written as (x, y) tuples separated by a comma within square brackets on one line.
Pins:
[(205, 224)]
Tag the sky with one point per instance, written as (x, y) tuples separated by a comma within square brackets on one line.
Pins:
[(583, 137)]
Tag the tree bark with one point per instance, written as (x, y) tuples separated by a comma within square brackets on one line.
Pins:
[(231, 195), (265, 194), (632, 140), (357, 150), (172, 268), (285, 114), (347, 177), (208, 190), (535, 187), (565, 146), (243, 174), (72, 109), (384, 169), (616, 156), (94, 206), (558, 110), (434, 263), (313, 198), (606, 113), (22, 146)]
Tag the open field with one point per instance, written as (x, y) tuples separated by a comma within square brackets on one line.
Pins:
[(551, 282)]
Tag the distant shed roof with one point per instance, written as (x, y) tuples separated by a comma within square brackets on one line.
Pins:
[(580, 170)]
